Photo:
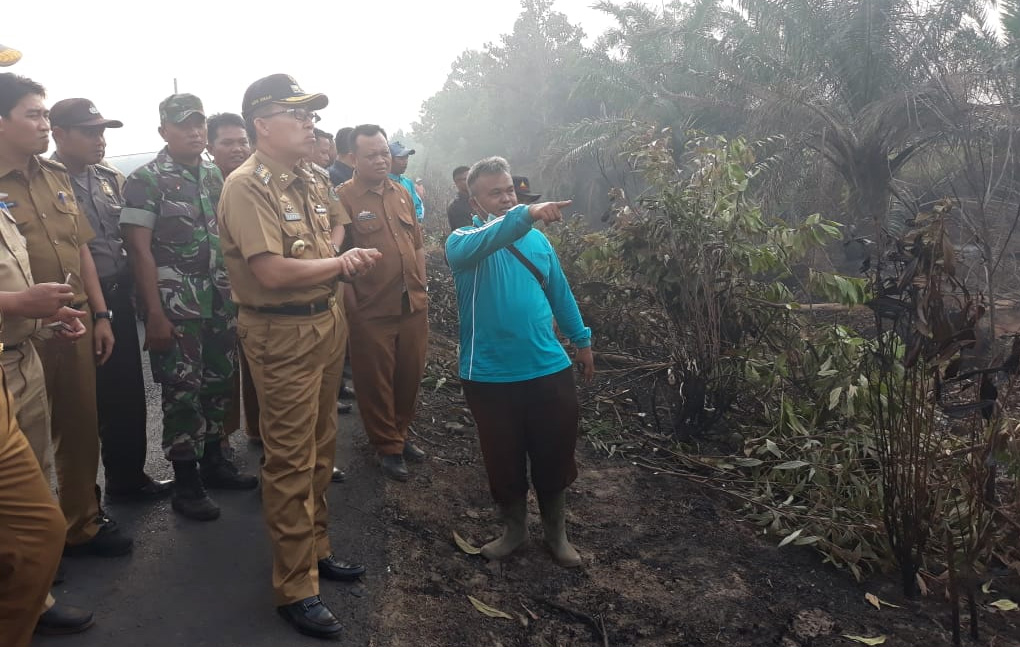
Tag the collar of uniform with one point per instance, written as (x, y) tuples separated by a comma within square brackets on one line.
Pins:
[(166, 163), (360, 188), (90, 169), (282, 175), (33, 168)]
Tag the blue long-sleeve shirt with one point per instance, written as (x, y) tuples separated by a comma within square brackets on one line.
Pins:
[(506, 319)]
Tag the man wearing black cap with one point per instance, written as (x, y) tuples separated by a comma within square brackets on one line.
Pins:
[(284, 269), (79, 132), (169, 223), (522, 189)]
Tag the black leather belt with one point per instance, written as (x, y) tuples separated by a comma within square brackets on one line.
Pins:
[(113, 284), (299, 310)]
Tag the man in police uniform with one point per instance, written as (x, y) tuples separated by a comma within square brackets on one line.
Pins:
[(78, 130), (283, 272), (42, 202), (169, 223), (389, 307), (32, 528)]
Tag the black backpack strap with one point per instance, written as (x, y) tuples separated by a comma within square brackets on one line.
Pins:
[(528, 264)]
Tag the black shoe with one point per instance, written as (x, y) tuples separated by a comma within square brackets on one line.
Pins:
[(413, 453), (311, 617), (63, 619), (152, 490), (108, 542), (338, 475), (393, 466), (333, 569), (346, 393), (344, 407), (189, 496), (218, 473)]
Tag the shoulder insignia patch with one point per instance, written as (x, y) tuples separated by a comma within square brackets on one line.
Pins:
[(52, 164), (263, 174)]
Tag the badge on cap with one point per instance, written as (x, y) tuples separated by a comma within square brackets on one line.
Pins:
[(297, 250)]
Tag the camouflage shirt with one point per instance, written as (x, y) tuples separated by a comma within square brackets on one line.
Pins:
[(180, 209)]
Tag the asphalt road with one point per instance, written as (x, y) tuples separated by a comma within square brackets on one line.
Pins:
[(195, 584)]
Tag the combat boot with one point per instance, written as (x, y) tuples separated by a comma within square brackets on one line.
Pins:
[(189, 497), (554, 522), (515, 530), (218, 473)]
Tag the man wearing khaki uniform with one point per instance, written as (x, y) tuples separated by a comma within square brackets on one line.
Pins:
[(388, 308), (275, 235), (41, 200)]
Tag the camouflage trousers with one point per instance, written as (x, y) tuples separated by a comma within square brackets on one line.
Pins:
[(196, 377)]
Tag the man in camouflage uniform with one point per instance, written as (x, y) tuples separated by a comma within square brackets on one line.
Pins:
[(169, 223)]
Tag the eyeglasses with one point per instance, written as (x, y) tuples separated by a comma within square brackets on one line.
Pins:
[(300, 114)]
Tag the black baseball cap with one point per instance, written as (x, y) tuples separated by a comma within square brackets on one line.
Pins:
[(67, 113), (522, 187), (280, 89)]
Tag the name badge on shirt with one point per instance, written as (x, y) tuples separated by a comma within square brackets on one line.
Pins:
[(291, 216), (319, 209), (366, 215)]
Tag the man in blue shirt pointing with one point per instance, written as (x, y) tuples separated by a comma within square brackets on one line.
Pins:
[(517, 378)]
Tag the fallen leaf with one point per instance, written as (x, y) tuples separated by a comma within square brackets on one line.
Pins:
[(464, 545), (877, 640), (487, 610), (878, 602), (790, 537), (1005, 605), (531, 613), (987, 587)]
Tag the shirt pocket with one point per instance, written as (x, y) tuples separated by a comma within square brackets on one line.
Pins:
[(67, 214), (176, 222), (298, 240), (367, 223)]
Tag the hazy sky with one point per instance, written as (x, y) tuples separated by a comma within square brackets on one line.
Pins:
[(377, 61)]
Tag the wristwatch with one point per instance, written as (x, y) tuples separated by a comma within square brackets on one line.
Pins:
[(105, 314)]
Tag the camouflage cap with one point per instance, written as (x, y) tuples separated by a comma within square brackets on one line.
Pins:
[(8, 56), (280, 89), (178, 107)]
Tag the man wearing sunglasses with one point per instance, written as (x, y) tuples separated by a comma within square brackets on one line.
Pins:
[(169, 224), (276, 219)]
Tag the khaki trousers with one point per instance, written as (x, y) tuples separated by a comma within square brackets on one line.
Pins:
[(31, 532), (387, 363), (70, 371), (25, 379), (295, 363)]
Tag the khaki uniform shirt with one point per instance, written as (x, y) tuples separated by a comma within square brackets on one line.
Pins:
[(268, 208), (385, 220), (44, 207), (15, 276)]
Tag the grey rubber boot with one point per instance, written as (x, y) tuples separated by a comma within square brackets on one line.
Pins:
[(515, 531), (554, 523)]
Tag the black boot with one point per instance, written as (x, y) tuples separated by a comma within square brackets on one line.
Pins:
[(218, 473), (189, 496)]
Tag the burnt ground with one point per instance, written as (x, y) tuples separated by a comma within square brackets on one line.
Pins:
[(668, 562)]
